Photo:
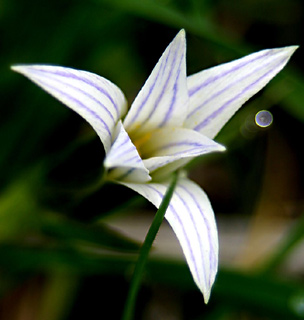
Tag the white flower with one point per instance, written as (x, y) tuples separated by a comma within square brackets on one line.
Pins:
[(173, 119)]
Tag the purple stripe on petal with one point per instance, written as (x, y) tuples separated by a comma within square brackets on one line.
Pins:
[(212, 256), (122, 153), (177, 144), (87, 81), (159, 165), (136, 158), (124, 175), (182, 226), (172, 59), (183, 154), (212, 79), (144, 101), (201, 245), (191, 152), (83, 92), (81, 105), (159, 98), (226, 104), (118, 149), (173, 100), (229, 86)]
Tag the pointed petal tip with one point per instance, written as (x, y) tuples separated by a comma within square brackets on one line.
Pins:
[(182, 33), (290, 49), (206, 296), (207, 288), (16, 68), (221, 148), (163, 100), (218, 147), (22, 68), (206, 292), (25, 70), (181, 36)]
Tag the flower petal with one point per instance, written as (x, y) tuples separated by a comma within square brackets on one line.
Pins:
[(192, 219), (171, 144), (163, 100), (96, 99), (217, 93), (124, 159)]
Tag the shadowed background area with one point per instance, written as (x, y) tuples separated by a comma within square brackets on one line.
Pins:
[(67, 247)]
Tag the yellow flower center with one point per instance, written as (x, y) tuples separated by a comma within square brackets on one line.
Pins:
[(139, 142)]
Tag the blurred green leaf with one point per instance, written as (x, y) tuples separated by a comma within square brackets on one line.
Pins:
[(75, 233), (18, 210), (293, 86), (264, 294), (260, 294), (168, 15), (21, 216)]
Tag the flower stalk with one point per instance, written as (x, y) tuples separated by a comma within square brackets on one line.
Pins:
[(128, 312)]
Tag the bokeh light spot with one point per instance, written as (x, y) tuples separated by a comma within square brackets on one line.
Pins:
[(263, 118)]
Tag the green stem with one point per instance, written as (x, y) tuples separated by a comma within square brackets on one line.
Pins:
[(144, 252)]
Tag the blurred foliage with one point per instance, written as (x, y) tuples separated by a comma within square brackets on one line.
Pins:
[(58, 260)]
